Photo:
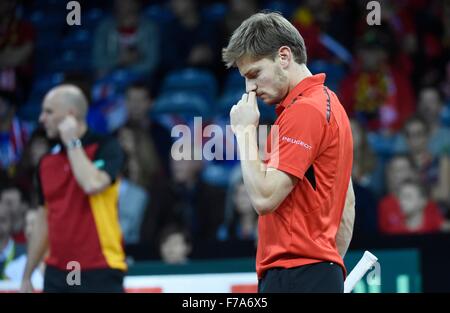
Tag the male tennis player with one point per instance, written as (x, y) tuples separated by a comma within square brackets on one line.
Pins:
[(303, 193)]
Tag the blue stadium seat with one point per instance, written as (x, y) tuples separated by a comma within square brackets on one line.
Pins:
[(445, 115), (183, 103), (116, 82), (110, 89), (385, 146), (48, 26), (218, 173), (48, 20), (45, 51), (30, 111), (227, 100), (51, 4), (45, 41), (44, 83), (159, 13), (234, 81), (73, 60), (92, 17), (215, 12), (79, 39), (201, 82), (284, 7)]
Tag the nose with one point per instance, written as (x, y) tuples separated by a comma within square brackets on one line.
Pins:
[(250, 85)]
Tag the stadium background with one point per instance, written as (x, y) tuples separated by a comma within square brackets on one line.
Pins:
[(171, 69)]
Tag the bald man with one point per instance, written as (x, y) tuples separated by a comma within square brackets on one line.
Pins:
[(78, 219)]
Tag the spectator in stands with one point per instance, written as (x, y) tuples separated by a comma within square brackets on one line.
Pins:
[(16, 51), (9, 249), (240, 218), (30, 219), (147, 147), (365, 181), (14, 269), (411, 212), (25, 179), (14, 134), (375, 93), (139, 102), (13, 199), (141, 170), (434, 172), (133, 201), (190, 40), (196, 203), (430, 108), (175, 245), (143, 164), (400, 18), (364, 159), (185, 199), (126, 41), (399, 169)]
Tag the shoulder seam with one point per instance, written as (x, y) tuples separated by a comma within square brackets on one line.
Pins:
[(311, 104)]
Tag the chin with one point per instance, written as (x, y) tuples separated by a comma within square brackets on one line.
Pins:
[(270, 101)]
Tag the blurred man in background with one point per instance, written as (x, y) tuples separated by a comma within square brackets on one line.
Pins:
[(78, 215)]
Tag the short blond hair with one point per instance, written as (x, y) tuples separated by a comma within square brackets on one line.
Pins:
[(260, 36)]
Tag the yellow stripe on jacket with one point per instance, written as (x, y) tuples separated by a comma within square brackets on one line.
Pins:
[(106, 216)]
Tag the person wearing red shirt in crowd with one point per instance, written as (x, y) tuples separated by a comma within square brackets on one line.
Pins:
[(302, 192), (378, 95), (411, 212)]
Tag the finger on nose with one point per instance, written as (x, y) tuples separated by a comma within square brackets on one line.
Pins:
[(244, 97)]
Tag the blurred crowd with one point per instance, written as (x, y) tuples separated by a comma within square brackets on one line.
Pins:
[(149, 65)]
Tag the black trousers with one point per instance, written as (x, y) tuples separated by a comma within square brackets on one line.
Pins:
[(324, 277), (98, 280)]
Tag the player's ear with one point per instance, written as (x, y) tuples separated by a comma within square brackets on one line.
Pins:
[(73, 112), (285, 56)]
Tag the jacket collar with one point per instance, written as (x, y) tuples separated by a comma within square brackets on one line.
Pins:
[(300, 88)]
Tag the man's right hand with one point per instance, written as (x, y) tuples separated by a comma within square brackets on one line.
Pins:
[(26, 286)]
